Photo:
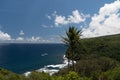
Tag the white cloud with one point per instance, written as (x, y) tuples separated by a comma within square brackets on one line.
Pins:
[(60, 20), (106, 22), (49, 17), (4, 36), (21, 32), (31, 39), (54, 14), (41, 40), (34, 39), (76, 18), (46, 26), (20, 39)]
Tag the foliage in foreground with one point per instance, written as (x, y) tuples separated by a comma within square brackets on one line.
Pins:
[(113, 74), (92, 66), (7, 75)]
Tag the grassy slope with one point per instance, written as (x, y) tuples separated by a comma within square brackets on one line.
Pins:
[(108, 46)]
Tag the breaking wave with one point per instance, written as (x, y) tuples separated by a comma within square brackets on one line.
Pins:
[(51, 69)]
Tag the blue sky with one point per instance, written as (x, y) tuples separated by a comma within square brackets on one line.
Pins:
[(46, 20)]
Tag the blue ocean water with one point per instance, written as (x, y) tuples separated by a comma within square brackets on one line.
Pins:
[(21, 58)]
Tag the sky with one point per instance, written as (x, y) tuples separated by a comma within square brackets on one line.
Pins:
[(45, 21)]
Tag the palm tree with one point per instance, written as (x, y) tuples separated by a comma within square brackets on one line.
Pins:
[(72, 40)]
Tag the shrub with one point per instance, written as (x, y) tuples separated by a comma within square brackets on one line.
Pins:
[(113, 74), (39, 76), (72, 76)]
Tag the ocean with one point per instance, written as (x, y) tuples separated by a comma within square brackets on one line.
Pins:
[(25, 57)]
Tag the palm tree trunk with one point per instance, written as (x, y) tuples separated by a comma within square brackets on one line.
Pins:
[(68, 65), (73, 65), (72, 61)]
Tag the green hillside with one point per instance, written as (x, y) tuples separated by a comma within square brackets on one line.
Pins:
[(108, 46), (97, 56), (98, 59)]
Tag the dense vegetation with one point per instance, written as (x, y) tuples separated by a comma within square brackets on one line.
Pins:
[(97, 59), (108, 46)]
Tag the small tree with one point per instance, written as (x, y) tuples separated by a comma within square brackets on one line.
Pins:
[(72, 76), (72, 41)]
